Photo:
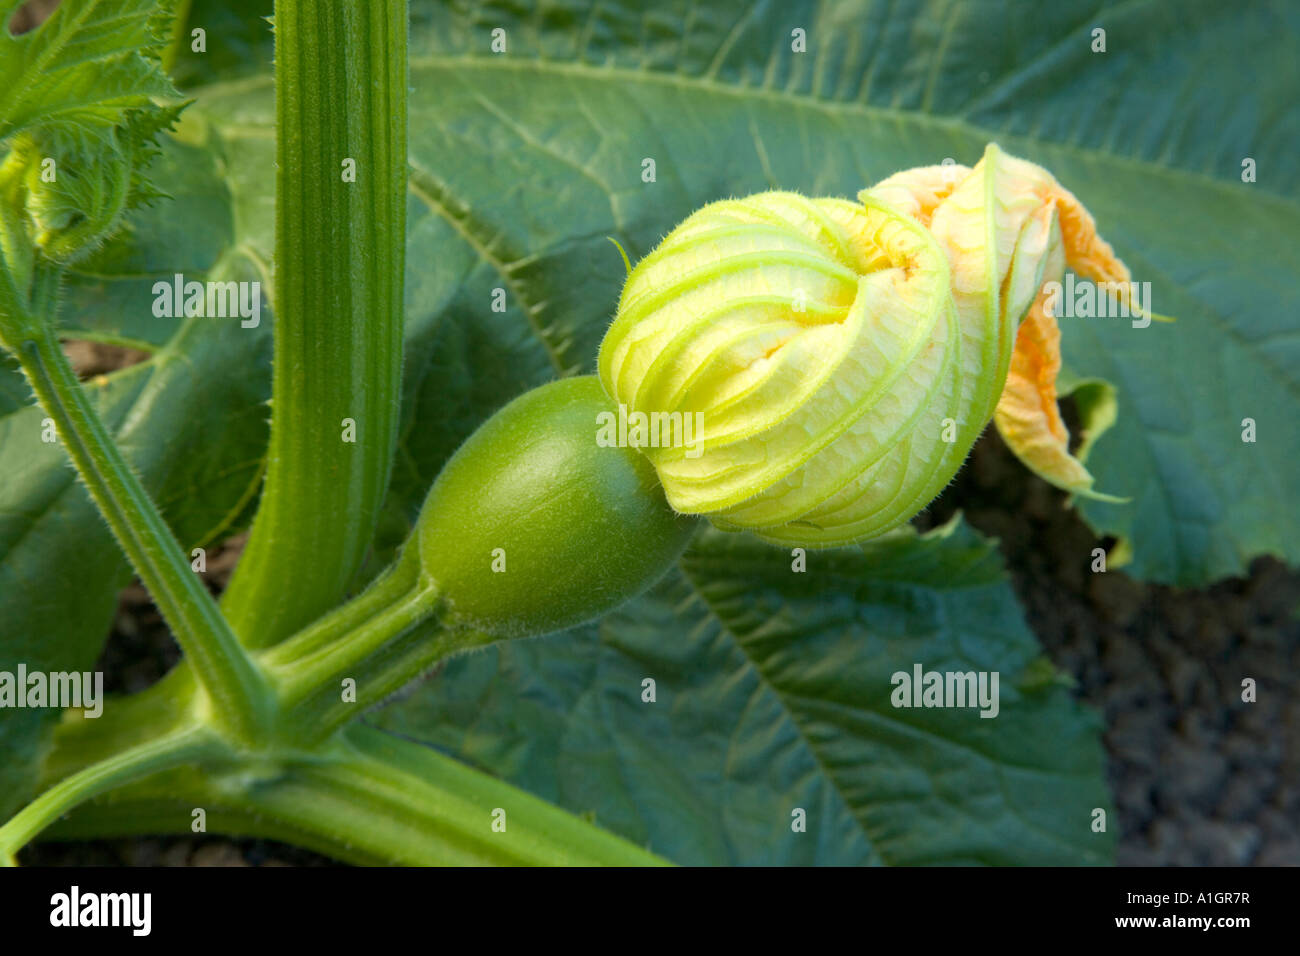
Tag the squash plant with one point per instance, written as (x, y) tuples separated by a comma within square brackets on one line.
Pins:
[(425, 195)]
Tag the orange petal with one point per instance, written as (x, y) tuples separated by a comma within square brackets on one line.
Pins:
[(1092, 256), (1027, 415)]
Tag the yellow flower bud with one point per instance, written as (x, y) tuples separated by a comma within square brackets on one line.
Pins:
[(840, 357)]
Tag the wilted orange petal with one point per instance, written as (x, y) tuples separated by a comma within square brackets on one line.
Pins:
[(1027, 416), (1090, 255)]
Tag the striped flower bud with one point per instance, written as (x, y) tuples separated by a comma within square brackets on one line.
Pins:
[(840, 357)]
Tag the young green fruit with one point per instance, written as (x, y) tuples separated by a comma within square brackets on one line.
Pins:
[(533, 527)]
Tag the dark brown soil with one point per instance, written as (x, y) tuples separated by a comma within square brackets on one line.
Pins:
[(1198, 776)]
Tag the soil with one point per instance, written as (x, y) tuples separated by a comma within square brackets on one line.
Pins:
[(1198, 776)]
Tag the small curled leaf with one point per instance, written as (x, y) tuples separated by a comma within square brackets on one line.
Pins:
[(80, 110)]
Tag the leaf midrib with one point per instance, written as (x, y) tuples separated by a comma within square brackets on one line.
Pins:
[(948, 123)]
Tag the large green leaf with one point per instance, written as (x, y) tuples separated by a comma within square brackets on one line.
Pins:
[(110, 296), (772, 693)]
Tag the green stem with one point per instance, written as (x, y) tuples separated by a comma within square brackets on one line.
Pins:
[(120, 768), (382, 639), (299, 677), (341, 84), (385, 655), (312, 643), (453, 807), (235, 688), (367, 797)]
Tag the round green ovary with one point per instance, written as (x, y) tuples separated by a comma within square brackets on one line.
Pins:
[(578, 528)]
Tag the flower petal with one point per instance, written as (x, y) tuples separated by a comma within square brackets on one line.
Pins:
[(1027, 416)]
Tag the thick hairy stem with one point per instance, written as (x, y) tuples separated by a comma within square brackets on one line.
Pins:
[(235, 688), (341, 82), (160, 753), (380, 640), (366, 797)]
